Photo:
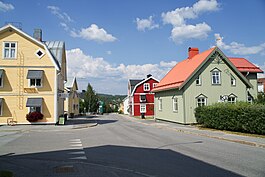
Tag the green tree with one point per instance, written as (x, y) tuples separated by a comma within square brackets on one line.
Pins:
[(91, 99)]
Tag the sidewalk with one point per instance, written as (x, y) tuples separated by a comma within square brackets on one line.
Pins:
[(71, 123), (194, 130)]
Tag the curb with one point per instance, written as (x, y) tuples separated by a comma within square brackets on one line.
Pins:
[(85, 126)]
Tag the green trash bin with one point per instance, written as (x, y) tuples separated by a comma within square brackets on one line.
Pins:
[(61, 120)]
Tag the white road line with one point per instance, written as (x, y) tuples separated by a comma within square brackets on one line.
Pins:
[(79, 158), (77, 153)]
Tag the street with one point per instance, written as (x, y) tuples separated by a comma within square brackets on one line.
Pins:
[(121, 146)]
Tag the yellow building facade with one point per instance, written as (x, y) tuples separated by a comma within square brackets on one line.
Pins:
[(71, 104), (31, 77)]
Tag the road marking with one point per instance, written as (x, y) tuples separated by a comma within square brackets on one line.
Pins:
[(79, 158), (76, 145), (77, 153)]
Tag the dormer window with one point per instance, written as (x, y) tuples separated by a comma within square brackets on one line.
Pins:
[(39, 53), (216, 77), (146, 87)]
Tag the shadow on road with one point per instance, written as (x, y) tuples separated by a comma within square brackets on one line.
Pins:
[(110, 161), (88, 120)]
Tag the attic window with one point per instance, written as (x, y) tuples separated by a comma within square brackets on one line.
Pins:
[(39, 53)]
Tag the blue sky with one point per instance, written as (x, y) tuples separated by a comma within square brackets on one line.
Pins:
[(111, 41)]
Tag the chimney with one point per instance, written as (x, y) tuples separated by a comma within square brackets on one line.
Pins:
[(149, 75), (37, 34), (193, 52)]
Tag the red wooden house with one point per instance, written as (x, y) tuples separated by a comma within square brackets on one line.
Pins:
[(141, 100)]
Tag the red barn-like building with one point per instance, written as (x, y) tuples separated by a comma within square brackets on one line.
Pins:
[(141, 100)]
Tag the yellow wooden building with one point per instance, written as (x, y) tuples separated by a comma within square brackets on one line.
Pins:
[(71, 104), (32, 76)]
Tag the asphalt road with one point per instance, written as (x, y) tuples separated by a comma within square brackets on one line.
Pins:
[(122, 147)]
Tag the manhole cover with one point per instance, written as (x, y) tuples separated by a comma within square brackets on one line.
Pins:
[(64, 169)]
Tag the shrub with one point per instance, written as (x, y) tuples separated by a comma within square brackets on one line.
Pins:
[(242, 117), (34, 116)]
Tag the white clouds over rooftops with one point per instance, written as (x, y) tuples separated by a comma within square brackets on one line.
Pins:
[(143, 24), (94, 33), (238, 48), (4, 7), (178, 17), (100, 70)]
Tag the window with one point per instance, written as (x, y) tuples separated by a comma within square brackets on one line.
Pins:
[(160, 104), (175, 104), (39, 53), (1, 106), (146, 86), (216, 77), (250, 99), (35, 82), (35, 109), (142, 98), (1, 77), (142, 108), (231, 99), (154, 85), (35, 78), (233, 81), (198, 80), (201, 101), (10, 50)]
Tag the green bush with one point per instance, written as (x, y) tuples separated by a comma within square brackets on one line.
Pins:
[(241, 117)]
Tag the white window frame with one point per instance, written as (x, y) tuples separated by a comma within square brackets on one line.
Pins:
[(36, 53), (9, 50), (233, 81), (35, 85), (160, 104), (146, 87), (34, 107), (1, 82), (231, 97), (1, 108), (199, 80), (217, 75), (154, 85), (142, 108), (175, 104), (140, 98), (201, 102)]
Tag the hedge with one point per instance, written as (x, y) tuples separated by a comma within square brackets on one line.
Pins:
[(241, 117)]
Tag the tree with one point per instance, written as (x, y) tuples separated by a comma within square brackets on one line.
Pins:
[(91, 99)]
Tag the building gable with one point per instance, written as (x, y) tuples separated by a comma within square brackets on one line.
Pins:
[(141, 84), (37, 49)]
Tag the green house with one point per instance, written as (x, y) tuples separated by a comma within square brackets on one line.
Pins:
[(203, 79)]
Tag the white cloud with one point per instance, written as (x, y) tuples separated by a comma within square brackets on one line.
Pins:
[(198, 31), (238, 48), (61, 15), (94, 33), (4, 7), (143, 24), (262, 75), (178, 17), (109, 52), (106, 77)]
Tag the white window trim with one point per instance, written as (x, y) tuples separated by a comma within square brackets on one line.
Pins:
[(142, 106), (175, 109), (146, 84), (231, 96), (200, 97), (219, 75), (141, 99), (154, 85), (2, 83), (160, 104), (35, 106), (1, 110), (233, 81), (3, 50), (32, 86), (200, 81), (43, 53)]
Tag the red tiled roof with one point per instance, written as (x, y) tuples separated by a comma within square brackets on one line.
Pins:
[(243, 65), (182, 71)]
